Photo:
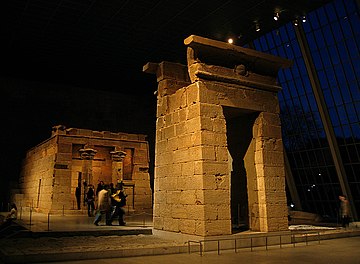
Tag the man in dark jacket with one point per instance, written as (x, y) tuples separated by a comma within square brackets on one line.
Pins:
[(119, 201)]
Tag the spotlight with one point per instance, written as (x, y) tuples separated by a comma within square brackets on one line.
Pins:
[(296, 23), (276, 16), (303, 19), (257, 27), (230, 41)]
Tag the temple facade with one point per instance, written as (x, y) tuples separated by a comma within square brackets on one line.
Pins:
[(73, 158)]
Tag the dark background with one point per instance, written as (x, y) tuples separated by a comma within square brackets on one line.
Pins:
[(79, 63)]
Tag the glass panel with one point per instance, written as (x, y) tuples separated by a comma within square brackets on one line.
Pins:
[(333, 36)]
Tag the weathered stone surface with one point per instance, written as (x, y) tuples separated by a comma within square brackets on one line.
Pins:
[(192, 164)]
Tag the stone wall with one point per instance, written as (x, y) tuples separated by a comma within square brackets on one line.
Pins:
[(37, 176)]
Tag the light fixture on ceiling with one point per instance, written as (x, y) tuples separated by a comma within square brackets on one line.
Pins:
[(257, 27), (276, 16)]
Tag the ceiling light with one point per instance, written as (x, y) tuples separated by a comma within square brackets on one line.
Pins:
[(276, 16), (230, 41)]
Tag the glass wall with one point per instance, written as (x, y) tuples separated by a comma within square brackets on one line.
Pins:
[(332, 34)]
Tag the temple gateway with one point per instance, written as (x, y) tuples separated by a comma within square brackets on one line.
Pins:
[(219, 154)]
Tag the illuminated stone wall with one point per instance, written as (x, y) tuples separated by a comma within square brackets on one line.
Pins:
[(192, 185), (53, 169)]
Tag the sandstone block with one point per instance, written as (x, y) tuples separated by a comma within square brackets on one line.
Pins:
[(193, 111), (171, 224), (208, 96), (192, 94), (187, 226)]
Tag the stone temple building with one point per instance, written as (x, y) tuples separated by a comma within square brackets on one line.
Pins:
[(74, 157), (219, 153)]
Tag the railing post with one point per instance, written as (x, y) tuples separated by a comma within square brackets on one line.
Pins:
[(235, 246), (48, 223), (201, 251), (266, 245), (251, 244), (30, 217), (218, 247), (294, 242)]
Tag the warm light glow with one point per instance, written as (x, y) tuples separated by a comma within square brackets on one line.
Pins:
[(230, 40)]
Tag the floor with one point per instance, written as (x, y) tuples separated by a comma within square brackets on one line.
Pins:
[(341, 250)]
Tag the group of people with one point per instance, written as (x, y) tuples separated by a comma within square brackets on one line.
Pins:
[(110, 202)]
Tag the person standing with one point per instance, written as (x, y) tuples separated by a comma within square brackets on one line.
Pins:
[(119, 201), (78, 197), (103, 206), (99, 187), (344, 211), (90, 200)]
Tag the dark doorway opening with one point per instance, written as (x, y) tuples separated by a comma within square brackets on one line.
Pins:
[(239, 132)]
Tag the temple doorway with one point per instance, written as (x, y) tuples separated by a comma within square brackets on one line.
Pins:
[(239, 132)]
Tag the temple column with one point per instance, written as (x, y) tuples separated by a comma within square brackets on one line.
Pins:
[(87, 154), (117, 157)]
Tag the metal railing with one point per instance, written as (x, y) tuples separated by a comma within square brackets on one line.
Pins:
[(26, 214), (255, 241)]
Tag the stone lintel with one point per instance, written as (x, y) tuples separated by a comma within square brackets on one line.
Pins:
[(227, 53)]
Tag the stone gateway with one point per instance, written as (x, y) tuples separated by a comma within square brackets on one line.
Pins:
[(219, 153)]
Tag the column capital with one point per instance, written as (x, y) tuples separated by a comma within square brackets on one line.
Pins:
[(117, 155), (87, 153)]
